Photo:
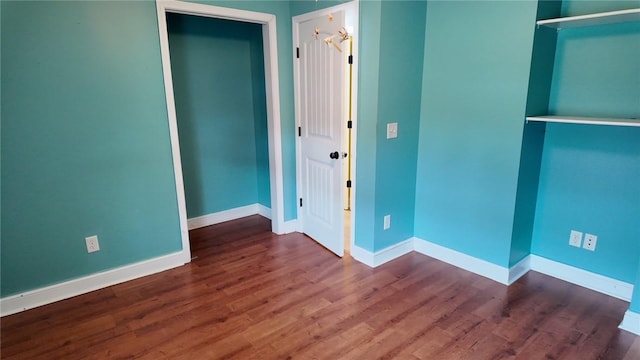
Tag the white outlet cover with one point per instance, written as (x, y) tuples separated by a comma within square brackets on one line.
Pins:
[(590, 241), (92, 243), (575, 239)]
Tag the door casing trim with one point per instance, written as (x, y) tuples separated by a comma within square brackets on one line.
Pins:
[(268, 22)]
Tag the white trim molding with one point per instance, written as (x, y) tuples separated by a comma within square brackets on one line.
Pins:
[(586, 279), (364, 256), (519, 270), (264, 211), (385, 255), (290, 226), (47, 295), (478, 266), (452, 257), (631, 322), (227, 215), (503, 275)]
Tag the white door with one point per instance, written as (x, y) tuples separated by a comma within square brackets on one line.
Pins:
[(321, 66)]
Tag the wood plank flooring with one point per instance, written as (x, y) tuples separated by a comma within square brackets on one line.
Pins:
[(250, 294)]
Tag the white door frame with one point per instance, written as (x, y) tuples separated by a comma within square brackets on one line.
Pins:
[(352, 21), (268, 22)]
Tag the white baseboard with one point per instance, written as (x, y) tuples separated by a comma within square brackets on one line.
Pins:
[(506, 276), (458, 259), (385, 255), (621, 290), (264, 211), (289, 227), (519, 270), (589, 280), (631, 322), (227, 215), (47, 295), (362, 255), (463, 261)]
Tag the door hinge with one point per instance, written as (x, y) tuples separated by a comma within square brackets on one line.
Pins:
[(299, 130), (348, 183), (297, 53), (300, 202), (350, 59), (349, 124)]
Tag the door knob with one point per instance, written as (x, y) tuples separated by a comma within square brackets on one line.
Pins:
[(334, 155)]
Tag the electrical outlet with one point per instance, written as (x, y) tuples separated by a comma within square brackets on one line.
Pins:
[(590, 241), (575, 239), (387, 222), (92, 243)]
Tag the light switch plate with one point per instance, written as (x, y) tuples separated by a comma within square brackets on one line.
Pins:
[(392, 130), (387, 222), (575, 239)]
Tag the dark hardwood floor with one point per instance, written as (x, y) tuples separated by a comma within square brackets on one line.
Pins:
[(253, 295)]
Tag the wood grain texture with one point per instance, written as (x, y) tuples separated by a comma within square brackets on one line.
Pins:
[(249, 294)]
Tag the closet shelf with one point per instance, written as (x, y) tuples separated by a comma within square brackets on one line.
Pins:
[(609, 17), (586, 120)]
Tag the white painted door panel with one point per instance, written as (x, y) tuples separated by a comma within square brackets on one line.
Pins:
[(321, 70)]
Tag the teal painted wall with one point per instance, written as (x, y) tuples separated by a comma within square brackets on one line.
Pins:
[(219, 86), (402, 27), (540, 77), (85, 141), (0, 139), (635, 301), (589, 175), (85, 138), (368, 83), (582, 7), (589, 182), (85, 150), (473, 104), (527, 191), (593, 74), (389, 91), (281, 9), (299, 7)]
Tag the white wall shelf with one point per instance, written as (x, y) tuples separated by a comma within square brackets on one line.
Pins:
[(586, 120), (609, 17)]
